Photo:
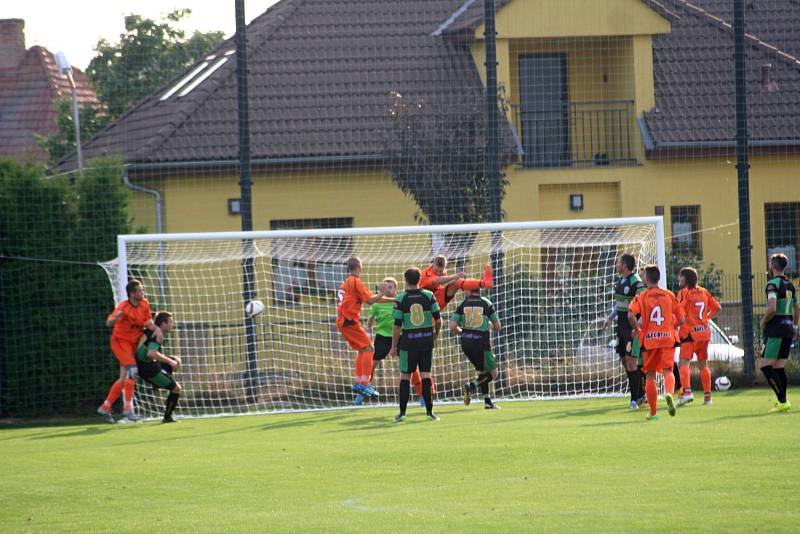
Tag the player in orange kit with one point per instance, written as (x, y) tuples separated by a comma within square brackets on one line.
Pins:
[(700, 307), (352, 295), (128, 320), (661, 315), (444, 287)]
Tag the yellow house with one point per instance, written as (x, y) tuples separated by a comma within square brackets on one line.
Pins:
[(614, 108)]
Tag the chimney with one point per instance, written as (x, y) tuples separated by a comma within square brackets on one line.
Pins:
[(12, 42)]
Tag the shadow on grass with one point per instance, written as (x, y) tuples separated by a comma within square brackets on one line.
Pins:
[(94, 430)]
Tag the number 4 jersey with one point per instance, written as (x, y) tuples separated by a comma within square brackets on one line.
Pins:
[(660, 312)]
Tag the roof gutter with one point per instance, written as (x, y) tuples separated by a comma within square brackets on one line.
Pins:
[(156, 196), (316, 160)]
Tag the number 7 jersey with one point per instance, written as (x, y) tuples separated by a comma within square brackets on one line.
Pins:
[(699, 305), (660, 312)]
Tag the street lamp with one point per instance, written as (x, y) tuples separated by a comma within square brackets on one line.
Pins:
[(66, 70)]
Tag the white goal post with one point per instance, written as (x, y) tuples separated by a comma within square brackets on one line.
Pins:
[(553, 286)]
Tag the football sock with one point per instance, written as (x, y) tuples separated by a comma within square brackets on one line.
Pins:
[(172, 401), (686, 378), (127, 394), (634, 379), (363, 367), (113, 394), (488, 277), (485, 388), (772, 380), (669, 382), (705, 377), (642, 379), (469, 284), (652, 395), (405, 391), (783, 383), (426, 394)]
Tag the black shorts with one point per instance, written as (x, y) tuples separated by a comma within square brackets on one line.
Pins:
[(480, 356), (624, 345), (382, 345), (411, 360)]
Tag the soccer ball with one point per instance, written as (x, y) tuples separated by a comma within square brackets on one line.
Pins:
[(254, 308), (722, 383)]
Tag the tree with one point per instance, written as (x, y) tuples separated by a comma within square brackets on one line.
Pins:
[(61, 143), (436, 156), (709, 276), (148, 54)]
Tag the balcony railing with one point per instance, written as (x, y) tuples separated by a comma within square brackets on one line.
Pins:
[(588, 133)]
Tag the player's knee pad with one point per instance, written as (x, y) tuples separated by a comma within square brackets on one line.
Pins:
[(131, 372)]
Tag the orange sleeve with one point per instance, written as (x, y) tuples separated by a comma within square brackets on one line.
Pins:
[(146, 312), (363, 292), (679, 311), (635, 305), (116, 310), (713, 305), (426, 279)]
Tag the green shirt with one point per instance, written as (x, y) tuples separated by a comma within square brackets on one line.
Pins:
[(415, 310), (384, 321)]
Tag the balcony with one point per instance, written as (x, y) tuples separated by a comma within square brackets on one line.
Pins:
[(577, 134)]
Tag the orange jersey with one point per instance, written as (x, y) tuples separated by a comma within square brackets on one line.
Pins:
[(426, 281), (660, 312), (130, 326), (352, 295), (699, 306)]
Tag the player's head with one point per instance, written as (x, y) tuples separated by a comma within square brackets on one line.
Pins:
[(389, 286), (412, 276), (687, 278), (439, 264), (354, 265), (652, 275), (135, 290), (164, 321), (626, 264), (777, 264)]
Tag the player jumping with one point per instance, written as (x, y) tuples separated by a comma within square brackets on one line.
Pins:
[(352, 295)]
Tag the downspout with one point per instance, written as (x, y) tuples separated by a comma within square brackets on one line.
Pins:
[(162, 274)]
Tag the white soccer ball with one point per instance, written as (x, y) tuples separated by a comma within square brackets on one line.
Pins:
[(254, 308), (722, 383)]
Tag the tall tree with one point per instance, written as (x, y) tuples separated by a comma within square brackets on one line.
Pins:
[(62, 142), (147, 55), (436, 156)]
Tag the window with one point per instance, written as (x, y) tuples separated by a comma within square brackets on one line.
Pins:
[(782, 224), (311, 266), (686, 238)]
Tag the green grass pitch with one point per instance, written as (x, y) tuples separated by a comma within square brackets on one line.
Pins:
[(578, 465)]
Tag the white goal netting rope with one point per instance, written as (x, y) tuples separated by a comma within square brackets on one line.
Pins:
[(553, 288)]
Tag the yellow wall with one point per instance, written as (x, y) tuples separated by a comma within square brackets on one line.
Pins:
[(567, 18)]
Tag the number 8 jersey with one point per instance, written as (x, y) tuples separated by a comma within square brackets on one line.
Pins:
[(415, 310), (660, 312)]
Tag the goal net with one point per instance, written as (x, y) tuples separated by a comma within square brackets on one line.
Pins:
[(553, 288)]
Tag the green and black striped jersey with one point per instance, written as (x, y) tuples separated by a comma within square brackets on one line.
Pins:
[(415, 310), (782, 324), (474, 315)]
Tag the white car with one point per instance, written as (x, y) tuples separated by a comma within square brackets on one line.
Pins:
[(722, 348)]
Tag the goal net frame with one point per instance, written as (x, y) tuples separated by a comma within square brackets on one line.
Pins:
[(158, 274)]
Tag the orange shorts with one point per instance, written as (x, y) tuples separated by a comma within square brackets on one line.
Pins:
[(124, 351), (658, 359), (355, 335), (690, 348)]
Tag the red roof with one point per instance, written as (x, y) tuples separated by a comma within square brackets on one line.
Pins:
[(28, 92)]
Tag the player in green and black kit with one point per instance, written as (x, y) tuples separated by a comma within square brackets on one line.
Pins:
[(779, 326), (416, 327), (157, 368), (472, 320), (627, 287)]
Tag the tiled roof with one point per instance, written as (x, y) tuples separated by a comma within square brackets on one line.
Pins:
[(322, 71), (694, 75), (27, 94)]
